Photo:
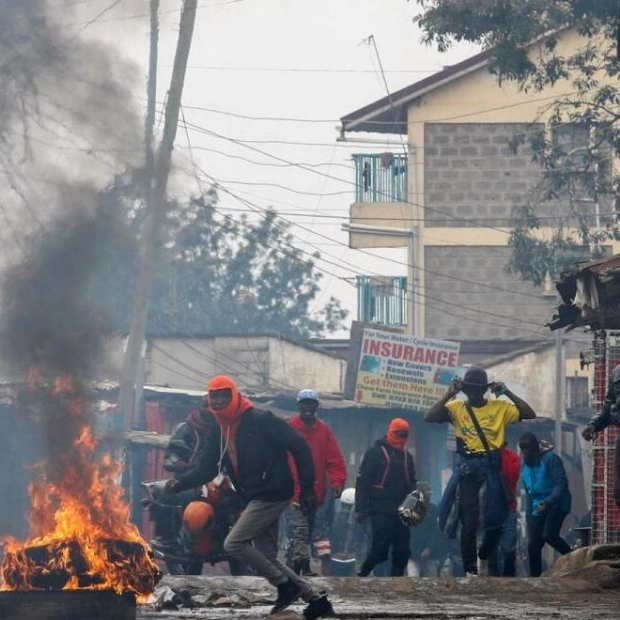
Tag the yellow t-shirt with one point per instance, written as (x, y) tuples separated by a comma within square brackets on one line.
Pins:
[(493, 418)]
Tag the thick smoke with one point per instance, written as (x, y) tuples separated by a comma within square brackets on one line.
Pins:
[(69, 121), (51, 321), (69, 109)]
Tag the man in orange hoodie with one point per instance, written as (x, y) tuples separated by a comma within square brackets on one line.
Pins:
[(386, 476), (252, 447), (328, 464)]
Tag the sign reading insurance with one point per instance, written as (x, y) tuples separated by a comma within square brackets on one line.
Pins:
[(404, 371)]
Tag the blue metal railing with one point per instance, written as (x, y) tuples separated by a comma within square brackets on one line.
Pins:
[(382, 299), (380, 177)]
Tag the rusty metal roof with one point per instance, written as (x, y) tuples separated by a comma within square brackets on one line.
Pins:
[(590, 294)]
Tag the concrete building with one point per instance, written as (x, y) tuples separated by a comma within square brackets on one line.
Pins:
[(449, 198), (260, 363)]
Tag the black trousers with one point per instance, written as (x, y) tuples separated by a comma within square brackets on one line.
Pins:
[(387, 532), (469, 516), (543, 529)]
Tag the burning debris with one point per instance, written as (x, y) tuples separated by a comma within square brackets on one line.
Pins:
[(72, 98), (81, 536)]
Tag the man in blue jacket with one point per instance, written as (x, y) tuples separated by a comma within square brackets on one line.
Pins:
[(548, 499)]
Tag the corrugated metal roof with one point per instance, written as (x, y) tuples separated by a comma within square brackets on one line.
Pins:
[(590, 293)]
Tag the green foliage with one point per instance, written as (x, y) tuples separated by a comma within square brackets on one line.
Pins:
[(219, 275), (578, 193)]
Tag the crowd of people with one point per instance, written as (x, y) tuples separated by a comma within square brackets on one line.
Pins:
[(293, 473)]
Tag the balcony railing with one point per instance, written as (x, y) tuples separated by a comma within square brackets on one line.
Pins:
[(382, 299), (380, 177)]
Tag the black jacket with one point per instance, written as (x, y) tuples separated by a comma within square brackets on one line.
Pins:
[(186, 441), (383, 483), (263, 443), (610, 411)]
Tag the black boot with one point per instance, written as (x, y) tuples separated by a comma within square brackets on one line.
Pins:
[(365, 569), (288, 592), (319, 608), (305, 569), (615, 564)]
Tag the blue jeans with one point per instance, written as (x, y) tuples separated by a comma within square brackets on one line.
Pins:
[(502, 562)]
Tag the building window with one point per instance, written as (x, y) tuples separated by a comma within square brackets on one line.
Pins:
[(570, 142), (382, 299)]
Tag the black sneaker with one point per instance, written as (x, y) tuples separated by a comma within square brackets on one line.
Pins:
[(319, 608), (287, 593)]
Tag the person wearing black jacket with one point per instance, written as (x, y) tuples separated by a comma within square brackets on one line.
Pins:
[(609, 415), (252, 445), (181, 453), (386, 476), (187, 439)]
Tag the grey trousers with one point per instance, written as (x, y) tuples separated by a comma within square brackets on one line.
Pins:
[(259, 524)]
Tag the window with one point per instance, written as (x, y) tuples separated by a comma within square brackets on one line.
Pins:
[(571, 144)]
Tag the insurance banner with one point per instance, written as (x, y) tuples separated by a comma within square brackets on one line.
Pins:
[(396, 370)]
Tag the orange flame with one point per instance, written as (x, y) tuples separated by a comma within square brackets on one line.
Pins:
[(81, 536)]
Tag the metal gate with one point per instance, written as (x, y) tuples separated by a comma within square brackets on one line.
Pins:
[(605, 514)]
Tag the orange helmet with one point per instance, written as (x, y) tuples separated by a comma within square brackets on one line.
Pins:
[(198, 517)]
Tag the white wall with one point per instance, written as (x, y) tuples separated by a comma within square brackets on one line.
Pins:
[(536, 372), (258, 363)]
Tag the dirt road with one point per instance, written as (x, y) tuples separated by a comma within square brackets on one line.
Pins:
[(478, 598)]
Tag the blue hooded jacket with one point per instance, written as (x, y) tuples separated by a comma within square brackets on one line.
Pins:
[(546, 482)]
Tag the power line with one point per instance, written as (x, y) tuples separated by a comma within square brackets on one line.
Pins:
[(317, 172), (306, 70), (170, 11), (409, 290)]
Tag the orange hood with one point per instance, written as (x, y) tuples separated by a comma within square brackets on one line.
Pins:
[(397, 424), (237, 406)]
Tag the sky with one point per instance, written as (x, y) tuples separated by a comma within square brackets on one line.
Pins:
[(267, 82)]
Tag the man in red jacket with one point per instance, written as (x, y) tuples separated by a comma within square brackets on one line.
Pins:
[(328, 464)]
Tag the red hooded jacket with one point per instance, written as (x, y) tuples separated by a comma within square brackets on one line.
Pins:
[(511, 466), (326, 457)]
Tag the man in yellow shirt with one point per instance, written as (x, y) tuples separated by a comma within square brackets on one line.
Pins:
[(475, 487)]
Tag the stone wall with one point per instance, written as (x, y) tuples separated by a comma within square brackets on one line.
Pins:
[(469, 296), (473, 177)]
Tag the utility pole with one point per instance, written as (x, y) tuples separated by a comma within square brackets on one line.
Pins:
[(155, 216), (151, 96)]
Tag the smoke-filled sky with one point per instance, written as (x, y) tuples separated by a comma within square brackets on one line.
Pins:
[(267, 82), (68, 114)]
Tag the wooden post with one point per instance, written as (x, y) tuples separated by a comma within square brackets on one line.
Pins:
[(156, 212)]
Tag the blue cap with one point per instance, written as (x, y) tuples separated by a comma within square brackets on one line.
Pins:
[(307, 395)]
